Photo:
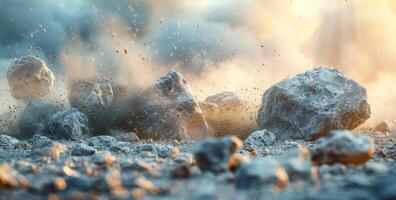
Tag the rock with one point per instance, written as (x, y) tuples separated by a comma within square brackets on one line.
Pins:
[(36, 114), (82, 149), (343, 147), (168, 151), (168, 110), (29, 77), (102, 141), (384, 127), (181, 171), (53, 150), (94, 99), (7, 141), (228, 114), (263, 171), (103, 158), (124, 136), (10, 178), (214, 154), (260, 139), (67, 125), (312, 104), (185, 158), (110, 182), (298, 165), (237, 160)]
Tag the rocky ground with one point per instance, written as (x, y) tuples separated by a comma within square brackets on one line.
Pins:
[(161, 143)]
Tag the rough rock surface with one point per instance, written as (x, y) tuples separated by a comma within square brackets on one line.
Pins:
[(313, 103), (214, 154), (29, 77), (168, 110), (343, 147), (67, 125), (228, 114), (260, 139), (36, 114)]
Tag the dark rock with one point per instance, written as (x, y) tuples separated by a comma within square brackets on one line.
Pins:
[(313, 103), (82, 149), (36, 114), (214, 154), (227, 114), (263, 171), (181, 171), (168, 110), (7, 141), (67, 125), (343, 147), (10, 178), (29, 78)]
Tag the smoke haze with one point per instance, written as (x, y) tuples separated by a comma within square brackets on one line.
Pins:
[(241, 46)]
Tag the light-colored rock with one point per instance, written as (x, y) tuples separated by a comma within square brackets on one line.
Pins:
[(11, 179), (343, 147), (384, 127), (29, 77), (313, 103)]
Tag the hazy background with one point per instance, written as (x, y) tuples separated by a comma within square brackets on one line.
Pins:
[(237, 45)]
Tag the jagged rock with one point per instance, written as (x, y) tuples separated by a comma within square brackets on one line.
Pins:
[(168, 110), (67, 125), (102, 141), (10, 178), (29, 77), (263, 171), (82, 149), (228, 114), (7, 141), (94, 99), (36, 114), (124, 136), (260, 139), (313, 103), (384, 127), (214, 154), (343, 147)]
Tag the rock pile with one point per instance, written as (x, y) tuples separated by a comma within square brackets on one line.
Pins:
[(313, 103)]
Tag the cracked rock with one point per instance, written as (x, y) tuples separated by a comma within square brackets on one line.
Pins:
[(67, 125), (29, 78), (168, 110), (343, 147), (214, 154), (312, 104)]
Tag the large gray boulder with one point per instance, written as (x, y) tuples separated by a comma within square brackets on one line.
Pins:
[(168, 110), (313, 103), (36, 114), (29, 77), (67, 125), (227, 114)]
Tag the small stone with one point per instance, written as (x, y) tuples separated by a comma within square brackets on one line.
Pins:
[(181, 171), (10, 178), (35, 116), (147, 147), (7, 141), (29, 77), (103, 158), (214, 154), (54, 150), (343, 147), (375, 168), (139, 165), (185, 158), (124, 136), (82, 149), (384, 127), (21, 145), (168, 151), (67, 125), (263, 171), (102, 142), (236, 161), (312, 104), (260, 139)]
